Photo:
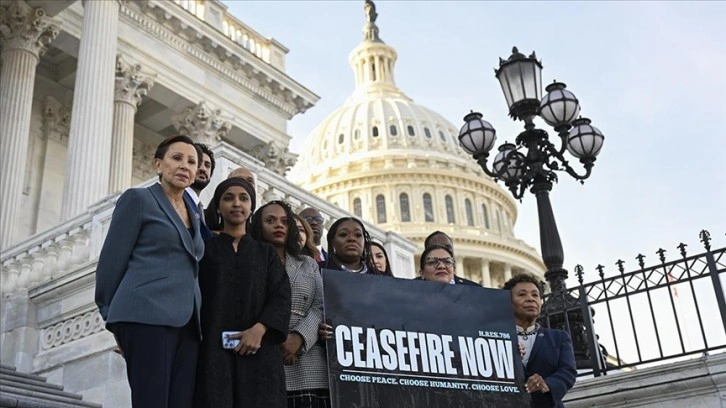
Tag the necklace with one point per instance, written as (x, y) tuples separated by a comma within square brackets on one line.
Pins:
[(526, 333), (177, 206)]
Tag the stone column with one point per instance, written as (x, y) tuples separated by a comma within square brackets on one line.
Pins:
[(131, 86), (89, 145), (460, 272), (486, 278), (24, 33), (507, 272)]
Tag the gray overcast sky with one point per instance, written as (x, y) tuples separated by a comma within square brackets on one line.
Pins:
[(650, 75)]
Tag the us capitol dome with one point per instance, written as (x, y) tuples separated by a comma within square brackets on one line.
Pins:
[(398, 164)]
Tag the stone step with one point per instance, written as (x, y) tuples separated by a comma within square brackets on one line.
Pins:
[(7, 370), (26, 384), (30, 382), (11, 401), (43, 399), (22, 390)]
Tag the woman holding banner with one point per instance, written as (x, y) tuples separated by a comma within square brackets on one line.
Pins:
[(548, 358), (306, 373)]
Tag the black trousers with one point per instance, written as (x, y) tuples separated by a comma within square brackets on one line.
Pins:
[(161, 363)]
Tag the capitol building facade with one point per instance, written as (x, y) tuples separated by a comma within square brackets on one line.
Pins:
[(398, 165), (88, 89)]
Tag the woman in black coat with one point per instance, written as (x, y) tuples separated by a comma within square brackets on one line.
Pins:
[(245, 290)]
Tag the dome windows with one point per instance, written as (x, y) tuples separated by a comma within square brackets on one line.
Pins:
[(381, 209), (428, 208), (485, 214), (356, 134), (357, 208), (405, 210), (393, 130), (409, 128), (442, 136), (374, 131), (341, 138), (427, 133), (469, 213), (450, 218)]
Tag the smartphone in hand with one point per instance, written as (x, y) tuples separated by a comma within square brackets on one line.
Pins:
[(228, 343)]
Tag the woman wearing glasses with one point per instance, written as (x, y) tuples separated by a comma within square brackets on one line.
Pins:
[(437, 264)]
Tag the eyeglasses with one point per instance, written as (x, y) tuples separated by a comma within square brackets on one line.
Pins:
[(434, 261), (317, 219)]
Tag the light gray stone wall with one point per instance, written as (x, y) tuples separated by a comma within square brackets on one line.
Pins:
[(696, 383)]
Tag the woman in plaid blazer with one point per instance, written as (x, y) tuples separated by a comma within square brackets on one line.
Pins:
[(306, 372)]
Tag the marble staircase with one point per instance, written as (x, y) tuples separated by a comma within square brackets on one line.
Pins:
[(21, 390)]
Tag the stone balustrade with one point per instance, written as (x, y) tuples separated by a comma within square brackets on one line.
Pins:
[(54, 253), (215, 13)]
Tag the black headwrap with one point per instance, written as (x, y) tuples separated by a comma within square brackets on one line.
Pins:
[(235, 181)]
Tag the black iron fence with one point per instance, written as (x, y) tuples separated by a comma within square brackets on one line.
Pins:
[(670, 310)]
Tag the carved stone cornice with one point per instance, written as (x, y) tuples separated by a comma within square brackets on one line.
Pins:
[(25, 28), (202, 123), (131, 83), (277, 160), (56, 120), (181, 31)]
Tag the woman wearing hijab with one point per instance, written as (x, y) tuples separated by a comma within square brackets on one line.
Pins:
[(246, 310)]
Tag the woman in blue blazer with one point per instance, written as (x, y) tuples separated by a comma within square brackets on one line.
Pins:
[(549, 361), (146, 280)]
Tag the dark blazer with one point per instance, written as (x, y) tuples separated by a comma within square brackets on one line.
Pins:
[(148, 267), (206, 233), (553, 359)]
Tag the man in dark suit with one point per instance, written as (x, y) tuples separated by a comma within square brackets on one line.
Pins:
[(440, 238), (317, 224), (547, 354), (204, 176)]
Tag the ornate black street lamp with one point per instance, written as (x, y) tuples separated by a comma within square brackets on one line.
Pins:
[(533, 161)]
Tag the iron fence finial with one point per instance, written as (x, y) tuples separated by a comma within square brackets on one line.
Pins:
[(641, 260), (682, 247), (601, 271), (620, 263), (706, 239), (661, 254), (579, 272)]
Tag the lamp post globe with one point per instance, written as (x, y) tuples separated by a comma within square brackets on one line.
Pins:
[(559, 107), (477, 136), (584, 141), (508, 163)]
